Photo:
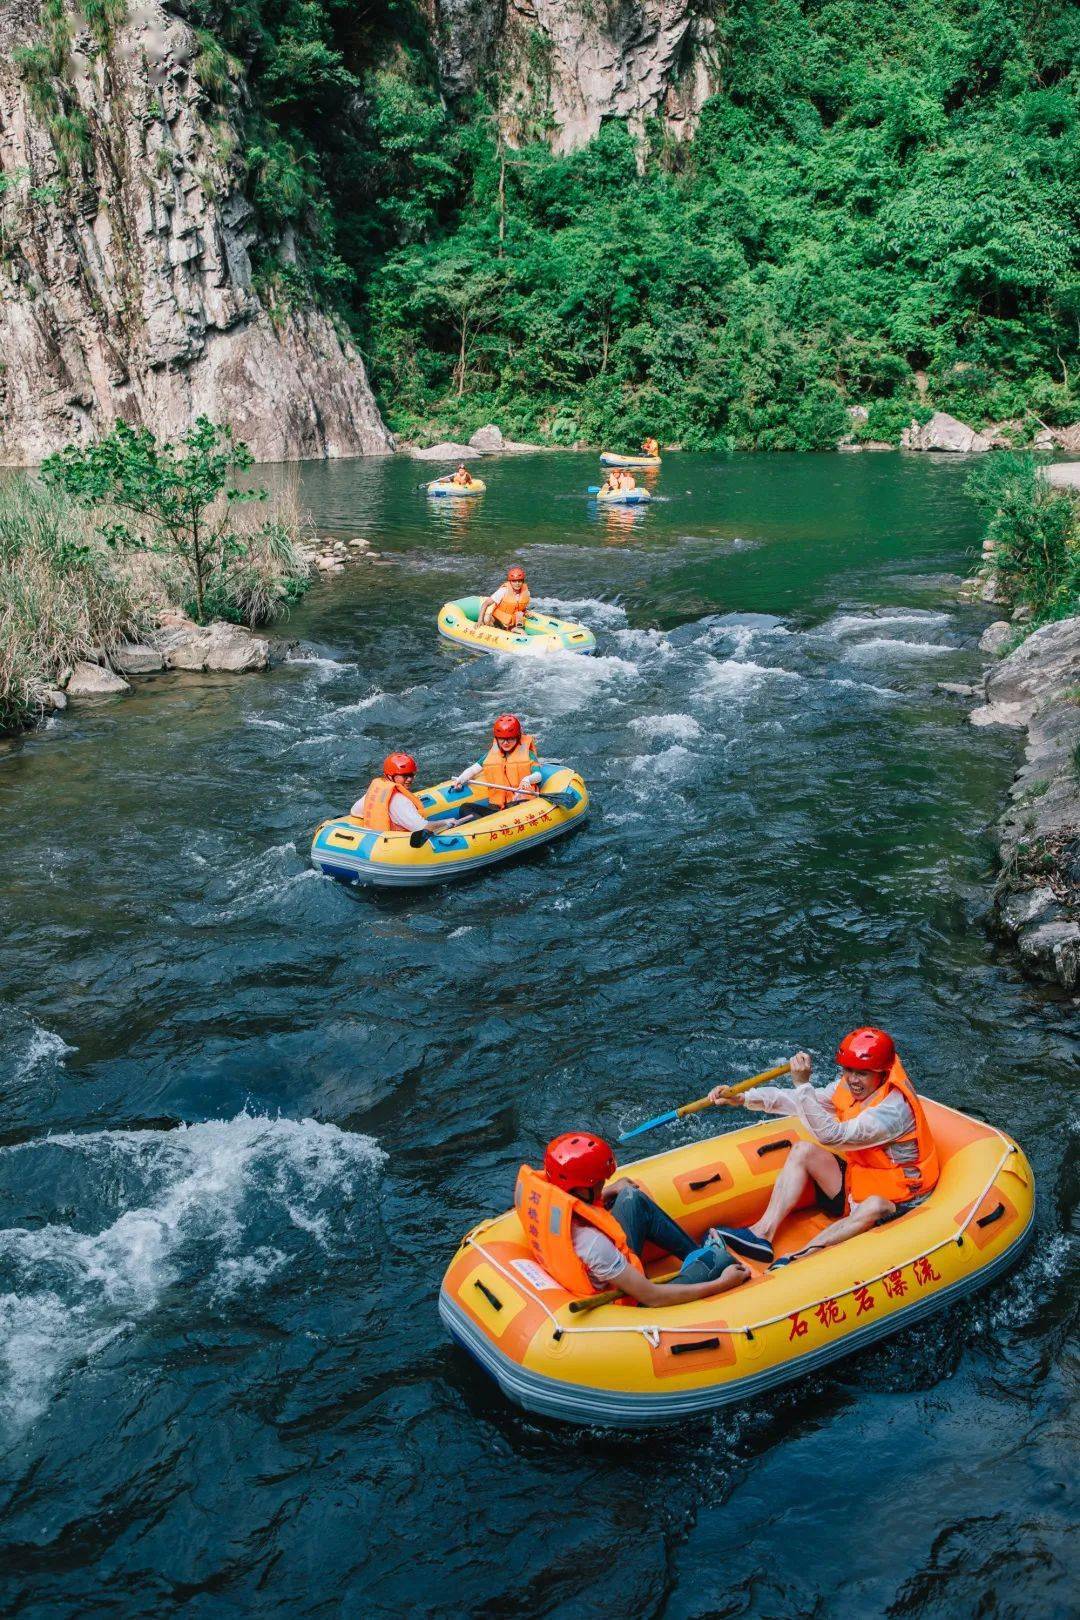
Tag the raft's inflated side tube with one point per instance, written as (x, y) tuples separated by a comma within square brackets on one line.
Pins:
[(608, 458), (444, 486), (459, 622), (345, 849), (634, 1367), (624, 497)]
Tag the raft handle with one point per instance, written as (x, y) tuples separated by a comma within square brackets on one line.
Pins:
[(994, 1215), (698, 1344), (774, 1147), (491, 1298), (696, 1186)]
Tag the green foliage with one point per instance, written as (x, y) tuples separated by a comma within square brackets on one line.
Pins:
[(1036, 533), (881, 188), (61, 594), (174, 499), (45, 67)]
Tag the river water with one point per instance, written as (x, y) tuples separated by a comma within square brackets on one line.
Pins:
[(247, 1114)]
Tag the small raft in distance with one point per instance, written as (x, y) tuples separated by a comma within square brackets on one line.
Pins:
[(460, 622), (608, 458), (631, 1367), (446, 486), (619, 497), (343, 848)]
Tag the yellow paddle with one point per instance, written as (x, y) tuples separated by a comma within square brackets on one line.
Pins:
[(706, 1102)]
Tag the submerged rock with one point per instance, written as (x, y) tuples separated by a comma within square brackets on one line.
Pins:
[(944, 433)]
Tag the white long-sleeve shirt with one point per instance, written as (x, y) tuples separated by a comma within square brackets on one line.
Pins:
[(878, 1125), (403, 813)]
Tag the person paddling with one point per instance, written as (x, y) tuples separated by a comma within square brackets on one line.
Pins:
[(462, 477), (872, 1157), (649, 447), (589, 1232), (390, 805), (508, 605), (511, 763)]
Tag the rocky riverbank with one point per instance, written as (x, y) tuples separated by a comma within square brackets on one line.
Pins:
[(1036, 901)]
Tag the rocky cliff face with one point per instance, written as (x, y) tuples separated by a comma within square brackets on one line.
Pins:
[(126, 255), (566, 65)]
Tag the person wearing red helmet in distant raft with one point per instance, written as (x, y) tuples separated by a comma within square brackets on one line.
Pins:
[(873, 1155), (390, 805), (589, 1232), (507, 606), (510, 764)]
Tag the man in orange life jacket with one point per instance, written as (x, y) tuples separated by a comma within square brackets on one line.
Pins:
[(508, 605), (649, 447), (511, 763), (872, 1157), (390, 805), (589, 1232)]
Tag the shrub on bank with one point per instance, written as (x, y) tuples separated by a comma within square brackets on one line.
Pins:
[(62, 594), (1036, 533)]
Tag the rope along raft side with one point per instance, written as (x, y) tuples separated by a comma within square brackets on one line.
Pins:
[(631, 1367), (343, 848)]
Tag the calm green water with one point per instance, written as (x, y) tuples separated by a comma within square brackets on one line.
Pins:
[(247, 1115)]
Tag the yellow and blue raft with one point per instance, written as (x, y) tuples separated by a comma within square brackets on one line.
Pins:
[(446, 486), (608, 458), (460, 622), (630, 1367), (343, 848), (622, 497)]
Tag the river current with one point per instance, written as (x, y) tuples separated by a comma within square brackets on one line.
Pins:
[(246, 1114)]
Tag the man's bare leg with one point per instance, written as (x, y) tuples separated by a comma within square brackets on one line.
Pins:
[(806, 1162)]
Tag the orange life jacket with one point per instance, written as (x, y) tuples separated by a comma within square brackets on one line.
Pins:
[(547, 1214), (651, 448), (377, 805), (511, 768), (513, 603), (871, 1170)]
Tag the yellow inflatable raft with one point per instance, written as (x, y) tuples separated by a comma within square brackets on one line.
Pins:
[(623, 497), (608, 458), (345, 849), (636, 1366), (459, 622), (446, 486)]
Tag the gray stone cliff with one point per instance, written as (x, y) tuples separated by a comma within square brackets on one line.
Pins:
[(126, 283)]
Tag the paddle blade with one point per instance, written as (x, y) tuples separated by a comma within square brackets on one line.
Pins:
[(594, 489), (650, 1124), (419, 838)]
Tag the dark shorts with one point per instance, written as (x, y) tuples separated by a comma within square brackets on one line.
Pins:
[(833, 1207)]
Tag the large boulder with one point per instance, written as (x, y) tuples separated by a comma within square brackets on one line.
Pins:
[(1066, 475), (91, 680), (1042, 667), (488, 440), (996, 637), (219, 647), (445, 452), (944, 433), (135, 658)]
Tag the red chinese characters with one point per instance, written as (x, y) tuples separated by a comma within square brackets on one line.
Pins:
[(924, 1271), (895, 1286), (798, 1326), (829, 1313), (864, 1299)]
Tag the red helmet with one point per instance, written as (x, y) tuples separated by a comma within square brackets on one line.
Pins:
[(516, 574), (399, 765), (866, 1048), (507, 726), (578, 1159)]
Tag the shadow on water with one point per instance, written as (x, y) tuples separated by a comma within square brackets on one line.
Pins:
[(223, 1383)]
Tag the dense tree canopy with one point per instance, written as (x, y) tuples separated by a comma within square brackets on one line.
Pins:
[(882, 188)]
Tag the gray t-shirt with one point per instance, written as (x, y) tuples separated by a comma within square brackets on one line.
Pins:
[(597, 1253)]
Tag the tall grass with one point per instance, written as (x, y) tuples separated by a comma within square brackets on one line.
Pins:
[(259, 581), (1036, 533), (61, 594)]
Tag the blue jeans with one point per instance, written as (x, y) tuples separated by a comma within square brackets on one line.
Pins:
[(644, 1221)]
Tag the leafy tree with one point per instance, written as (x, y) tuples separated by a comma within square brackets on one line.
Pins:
[(179, 496)]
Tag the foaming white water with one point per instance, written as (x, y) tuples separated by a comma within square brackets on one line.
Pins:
[(561, 682), (670, 762), (681, 728), (378, 696), (327, 668), (205, 1190), (589, 610), (852, 623), (34, 1051), (890, 647), (733, 677)]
